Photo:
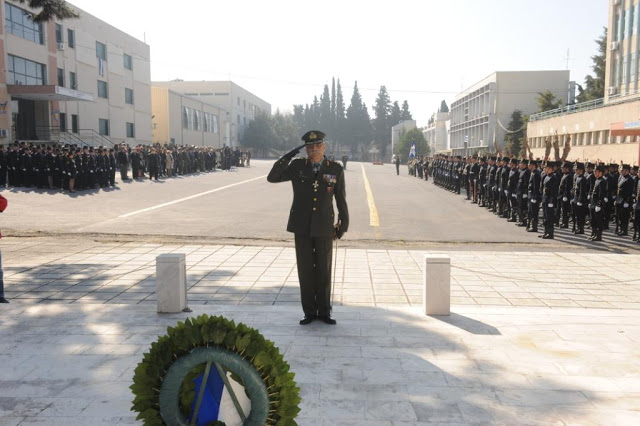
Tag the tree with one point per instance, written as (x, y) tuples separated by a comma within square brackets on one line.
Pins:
[(51, 9), (547, 101), (405, 114), (357, 124), (403, 147), (286, 131), (339, 115), (444, 107), (381, 127), (395, 116), (298, 116), (325, 112), (517, 132), (594, 86), (259, 134)]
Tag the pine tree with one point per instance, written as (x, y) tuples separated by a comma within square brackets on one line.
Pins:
[(51, 9), (594, 86), (395, 116), (548, 101), (405, 114), (358, 123), (325, 113), (382, 130), (443, 106), (340, 115), (517, 132)]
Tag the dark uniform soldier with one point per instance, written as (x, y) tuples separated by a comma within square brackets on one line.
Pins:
[(522, 193), (549, 199), (564, 193), (534, 196), (623, 200), (512, 191), (3, 167), (580, 198), (596, 204), (316, 181)]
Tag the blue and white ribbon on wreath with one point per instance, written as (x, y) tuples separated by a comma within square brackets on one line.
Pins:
[(217, 403)]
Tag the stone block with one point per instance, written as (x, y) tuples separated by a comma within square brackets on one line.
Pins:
[(437, 285), (171, 282)]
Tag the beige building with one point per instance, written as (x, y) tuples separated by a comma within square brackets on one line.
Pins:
[(398, 130), (437, 133), (78, 80), (606, 129), (240, 105), (183, 120), (481, 113)]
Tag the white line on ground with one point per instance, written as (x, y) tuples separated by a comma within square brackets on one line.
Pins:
[(374, 220), (159, 206)]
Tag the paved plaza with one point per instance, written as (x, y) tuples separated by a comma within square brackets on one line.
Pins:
[(534, 337)]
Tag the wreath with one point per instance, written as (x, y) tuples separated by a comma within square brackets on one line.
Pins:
[(165, 382)]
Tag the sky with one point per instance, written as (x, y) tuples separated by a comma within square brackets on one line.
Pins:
[(423, 51)]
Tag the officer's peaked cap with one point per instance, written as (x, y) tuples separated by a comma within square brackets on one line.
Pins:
[(313, 136)]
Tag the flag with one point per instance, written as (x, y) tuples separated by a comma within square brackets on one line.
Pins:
[(101, 66), (412, 152)]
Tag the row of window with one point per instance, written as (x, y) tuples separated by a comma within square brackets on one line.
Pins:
[(193, 119), (625, 69), (19, 22), (103, 125), (626, 23)]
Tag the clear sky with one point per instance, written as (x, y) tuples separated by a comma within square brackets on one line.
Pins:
[(423, 51)]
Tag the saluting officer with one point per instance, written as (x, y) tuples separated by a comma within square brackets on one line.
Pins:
[(315, 181)]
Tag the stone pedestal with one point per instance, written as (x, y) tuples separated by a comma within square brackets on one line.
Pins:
[(437, 285), (171, 282)]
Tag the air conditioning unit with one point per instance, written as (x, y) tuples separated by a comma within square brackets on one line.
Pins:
[(614, 45), (4, 133), (60, 46), (613, 90)]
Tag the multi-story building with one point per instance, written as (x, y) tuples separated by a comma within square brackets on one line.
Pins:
[(437, 132), (182, 120), (240, 105), (78, 80), (482, 113), (604, 129)]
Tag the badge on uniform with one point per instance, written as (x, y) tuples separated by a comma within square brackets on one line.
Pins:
[(330, 180)]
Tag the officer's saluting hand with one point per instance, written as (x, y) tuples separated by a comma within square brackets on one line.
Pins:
[(316, 181)]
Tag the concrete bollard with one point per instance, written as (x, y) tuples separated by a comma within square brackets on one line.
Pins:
[(171, 282), (437, 285)]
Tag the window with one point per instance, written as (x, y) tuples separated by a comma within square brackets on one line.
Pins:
[(63, 122), (73, 83), (103, 126), (238, 101), (101, 51), (628, 25), (74, 123), (634, 66), (128, 96), (197, 120), (625, 73), (103, 89), (131, 130), (128, 62), (238, 118), (60, 77), (71, 38), (58, 33), (185, 118), (23, 71), (205, 123), (20, 23)]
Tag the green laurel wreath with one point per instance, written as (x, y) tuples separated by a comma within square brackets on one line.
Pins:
[(219, 332)]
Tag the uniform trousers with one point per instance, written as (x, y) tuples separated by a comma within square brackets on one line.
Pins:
[(314, 255)]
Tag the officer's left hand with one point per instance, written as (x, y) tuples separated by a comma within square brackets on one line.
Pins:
[(338, 232)]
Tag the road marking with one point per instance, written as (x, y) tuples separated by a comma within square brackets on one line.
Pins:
[(159, 206), (374, 220)]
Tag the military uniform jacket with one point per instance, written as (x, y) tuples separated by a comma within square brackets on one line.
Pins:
[(581, 189), (534, 184), (566, 185), (625, 190), (550, 190), (312, 211), (523, 182), (514, 177), (599, 192)]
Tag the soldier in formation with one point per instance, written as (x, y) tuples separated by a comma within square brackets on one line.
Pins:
[(563, 193)]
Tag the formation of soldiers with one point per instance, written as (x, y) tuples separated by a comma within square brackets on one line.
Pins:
[(72, 168), (583, 194)]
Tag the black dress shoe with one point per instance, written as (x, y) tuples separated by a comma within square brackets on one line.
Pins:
[(328, 320), (308, 319), (547, 237), (3, 300)]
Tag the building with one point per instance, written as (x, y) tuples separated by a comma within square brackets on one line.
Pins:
[(482, 113), (437, 132), (182, 120), (398, 130), (76, 81), (604, 129), (240, 105)]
